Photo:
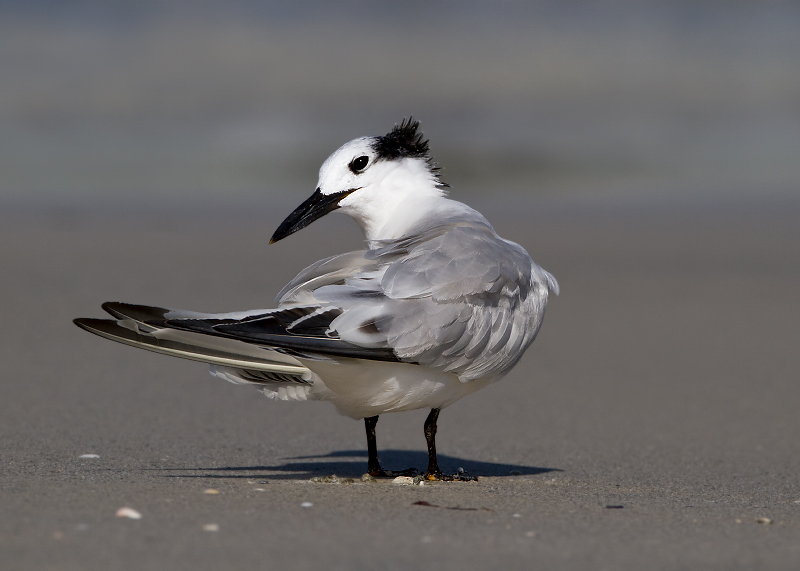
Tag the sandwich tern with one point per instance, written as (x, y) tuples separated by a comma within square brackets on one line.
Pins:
[(436, 307)]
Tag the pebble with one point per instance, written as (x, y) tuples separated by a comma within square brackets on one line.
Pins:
[(764, 520), (306, 505), (129, 513), (211, 491), (404, 480), (211, 527), (259, 489), (89, 456), (515, 473)]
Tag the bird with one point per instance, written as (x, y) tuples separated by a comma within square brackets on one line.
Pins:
[(435, 307)]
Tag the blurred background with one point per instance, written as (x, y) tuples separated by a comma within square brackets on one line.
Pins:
[(647, 153), (190, 104)]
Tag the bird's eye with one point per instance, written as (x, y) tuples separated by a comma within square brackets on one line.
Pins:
[(359, 164)]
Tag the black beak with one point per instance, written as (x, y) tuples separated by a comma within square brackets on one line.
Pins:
[(317, 206)]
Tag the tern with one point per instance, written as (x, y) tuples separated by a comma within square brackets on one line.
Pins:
[(436, 307)]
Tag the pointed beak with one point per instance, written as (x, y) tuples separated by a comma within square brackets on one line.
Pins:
[(317, 206)]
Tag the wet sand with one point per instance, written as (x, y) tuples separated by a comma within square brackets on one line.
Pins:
[(650, 426)]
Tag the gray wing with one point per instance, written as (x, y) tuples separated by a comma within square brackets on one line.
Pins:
[(453, 297), (300, 291), (456, 298)]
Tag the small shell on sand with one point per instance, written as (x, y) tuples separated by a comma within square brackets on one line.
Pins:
[(129, 513)]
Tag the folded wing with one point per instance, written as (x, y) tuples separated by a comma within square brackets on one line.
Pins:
[(454, 297)]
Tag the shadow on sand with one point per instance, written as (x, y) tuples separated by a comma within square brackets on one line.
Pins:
[(353, 463)]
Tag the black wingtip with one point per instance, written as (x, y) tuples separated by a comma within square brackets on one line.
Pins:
[(122, 310), (110, 307), (92, 325)]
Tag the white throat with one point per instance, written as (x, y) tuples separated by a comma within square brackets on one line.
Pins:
[(406, 193)]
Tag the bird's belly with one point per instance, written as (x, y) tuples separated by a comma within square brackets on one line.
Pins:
[(360, 388)]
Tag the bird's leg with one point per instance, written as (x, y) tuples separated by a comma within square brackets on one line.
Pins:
[(373, 465), (433, 472)]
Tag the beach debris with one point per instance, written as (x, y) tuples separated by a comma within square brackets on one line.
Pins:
[(262, 481), (306, 505), (211, 491), (368, 478), (404, 481), (129, 513), (332, 479), (211, 527), (89, 456), (456, 508), (764, 520), (259, 489)]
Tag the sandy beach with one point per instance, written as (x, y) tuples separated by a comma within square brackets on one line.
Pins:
[(653, 424)]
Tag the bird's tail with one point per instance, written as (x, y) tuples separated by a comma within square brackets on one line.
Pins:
[(279, 375)]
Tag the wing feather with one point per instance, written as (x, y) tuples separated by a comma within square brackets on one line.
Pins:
[(455, 297)]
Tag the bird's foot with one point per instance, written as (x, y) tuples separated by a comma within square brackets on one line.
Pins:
[(381, 473), (460, 476)]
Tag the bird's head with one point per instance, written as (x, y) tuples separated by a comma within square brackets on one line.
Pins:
[(371, 179)]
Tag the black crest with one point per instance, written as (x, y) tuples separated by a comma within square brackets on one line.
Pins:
[(404, 140)]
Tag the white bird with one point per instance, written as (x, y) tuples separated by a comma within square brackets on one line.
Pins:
[(437, 307)]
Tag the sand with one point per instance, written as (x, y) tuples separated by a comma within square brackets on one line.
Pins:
[(652, 425)]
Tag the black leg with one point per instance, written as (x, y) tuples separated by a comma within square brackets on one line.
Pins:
[(433, 472), (373, 465)]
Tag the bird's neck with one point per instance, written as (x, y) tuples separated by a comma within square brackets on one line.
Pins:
[(399, 203)]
